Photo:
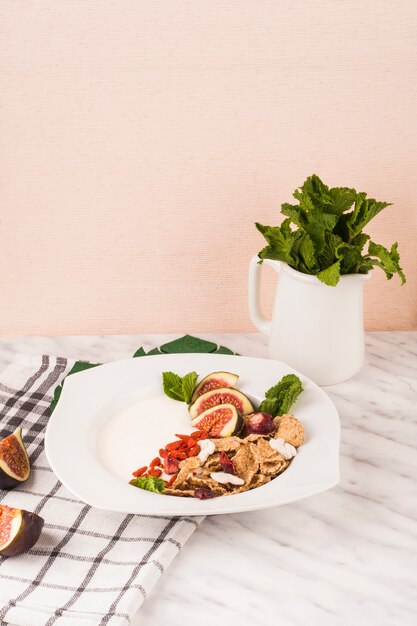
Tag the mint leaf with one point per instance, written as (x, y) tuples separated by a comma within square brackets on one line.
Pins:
[(280, 240), (388, 260), (149, 483), (307, 253), (188, 386), (330, 276), (365, 210), (342, 200), (172, 384), (178, 388), (329, 253), (280, 398)]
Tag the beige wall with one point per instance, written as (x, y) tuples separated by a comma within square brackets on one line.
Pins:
[(141, 140)]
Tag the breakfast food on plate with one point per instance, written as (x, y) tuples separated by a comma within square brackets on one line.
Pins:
[(19, 530), (14, 462), (234, 447)]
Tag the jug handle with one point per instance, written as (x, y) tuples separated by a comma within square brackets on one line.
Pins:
[(254, 292)]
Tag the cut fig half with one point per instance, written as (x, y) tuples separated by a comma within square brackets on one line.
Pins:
[(224, 395), (19, 530), (14, 461), (215, 380), (223, 420)]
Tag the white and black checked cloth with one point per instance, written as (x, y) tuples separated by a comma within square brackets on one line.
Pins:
[(89, 566)]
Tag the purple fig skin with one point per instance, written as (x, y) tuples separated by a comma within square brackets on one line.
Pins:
[(260, 424), (7, 481), (27, 535), (203, 493)]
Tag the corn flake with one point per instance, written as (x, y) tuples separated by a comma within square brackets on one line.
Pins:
[(290, 430)]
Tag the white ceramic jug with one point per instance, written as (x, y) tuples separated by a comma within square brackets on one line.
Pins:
[(315, 328)]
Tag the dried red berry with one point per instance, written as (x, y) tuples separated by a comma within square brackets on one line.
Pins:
[(140, 471), (260, 423), (178, 454), (227, 464), (171, 465), (204, 493), (174, 445), (199, 434)]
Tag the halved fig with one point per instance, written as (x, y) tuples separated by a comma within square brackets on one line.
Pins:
[(215, 380), (223, 420), (224, 395), (260, 424), (14, 462), (19, 530)]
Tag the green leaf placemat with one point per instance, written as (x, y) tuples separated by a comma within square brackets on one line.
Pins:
[(184, 344)]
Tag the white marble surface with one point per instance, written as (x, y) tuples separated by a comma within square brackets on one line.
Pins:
[(348, 556)]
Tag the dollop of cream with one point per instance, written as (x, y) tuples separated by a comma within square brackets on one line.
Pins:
[(207, 448), (223, 478), (285, 449)]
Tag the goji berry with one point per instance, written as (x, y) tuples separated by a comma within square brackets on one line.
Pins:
[(155, 472), (178, 454), (155, 461), (174, 445), (163, 453), (184, 437), (140, 471), (194, 451), (199, 434)]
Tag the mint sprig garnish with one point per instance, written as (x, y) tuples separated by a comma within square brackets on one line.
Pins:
[(149, 483), (280, 398), (179, 388)]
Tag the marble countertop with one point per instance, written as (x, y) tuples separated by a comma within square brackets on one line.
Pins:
[(345, 556)]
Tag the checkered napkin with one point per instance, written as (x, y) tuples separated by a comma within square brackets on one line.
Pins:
[(89, 566)]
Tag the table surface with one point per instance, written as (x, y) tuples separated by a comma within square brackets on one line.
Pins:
[(345, 556)]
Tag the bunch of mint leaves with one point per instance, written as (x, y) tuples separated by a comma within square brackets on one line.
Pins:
[(328, 240), (280, 398)]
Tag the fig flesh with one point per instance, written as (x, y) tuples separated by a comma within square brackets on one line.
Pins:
[(19, 530), (223, 420), (224, 395), (14, 462), (260, 424), (215, 380)]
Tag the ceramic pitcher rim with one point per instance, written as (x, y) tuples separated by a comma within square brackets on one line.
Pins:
[(311, 278)]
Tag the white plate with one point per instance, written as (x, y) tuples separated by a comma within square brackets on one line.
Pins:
[(105, 426)]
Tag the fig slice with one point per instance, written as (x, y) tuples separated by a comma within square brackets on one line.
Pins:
[(215, 380), (19, 530), (14, 462), (223, 420), (224, 395)]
